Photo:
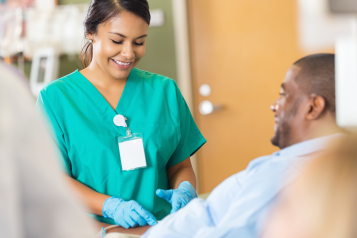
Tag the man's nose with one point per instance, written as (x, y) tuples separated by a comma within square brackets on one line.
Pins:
[(274, 107), (128, 51)]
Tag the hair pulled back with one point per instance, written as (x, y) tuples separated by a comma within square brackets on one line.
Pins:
[(101, 11)]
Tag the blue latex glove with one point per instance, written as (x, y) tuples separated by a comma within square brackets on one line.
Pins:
[(127, 214), (178, 197)]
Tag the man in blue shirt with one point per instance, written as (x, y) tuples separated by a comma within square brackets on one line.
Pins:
[(304, 124)]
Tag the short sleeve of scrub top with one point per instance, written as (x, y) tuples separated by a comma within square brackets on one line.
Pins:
[(83, 127)]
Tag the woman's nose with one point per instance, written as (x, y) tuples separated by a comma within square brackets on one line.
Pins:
[(128, 51)]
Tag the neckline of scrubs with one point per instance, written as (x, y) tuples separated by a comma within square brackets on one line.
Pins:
[(125, 100)]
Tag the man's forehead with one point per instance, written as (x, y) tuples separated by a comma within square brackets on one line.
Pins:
[(291, 74)]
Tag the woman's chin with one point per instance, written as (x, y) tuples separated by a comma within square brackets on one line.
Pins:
[(120, 75)]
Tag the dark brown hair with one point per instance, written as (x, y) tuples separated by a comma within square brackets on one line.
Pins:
[(101, 11), (317, 76)]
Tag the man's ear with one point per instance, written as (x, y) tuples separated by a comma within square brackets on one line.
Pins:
[(316, 107)]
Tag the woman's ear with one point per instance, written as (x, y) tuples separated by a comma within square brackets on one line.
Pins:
[(90, 37), (317, 107)]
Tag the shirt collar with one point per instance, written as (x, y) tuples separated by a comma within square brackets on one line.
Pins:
[(307, 147)]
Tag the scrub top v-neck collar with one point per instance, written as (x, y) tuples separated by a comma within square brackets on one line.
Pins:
[(126, 99)]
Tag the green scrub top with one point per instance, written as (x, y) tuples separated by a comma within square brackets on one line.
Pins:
[(83, 127)]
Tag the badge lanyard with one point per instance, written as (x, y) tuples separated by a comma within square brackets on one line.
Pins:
[(131, 147)]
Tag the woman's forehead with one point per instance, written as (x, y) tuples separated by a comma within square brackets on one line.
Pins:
[(125, 23)]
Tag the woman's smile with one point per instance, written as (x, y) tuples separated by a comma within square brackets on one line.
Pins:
[(122, 64)]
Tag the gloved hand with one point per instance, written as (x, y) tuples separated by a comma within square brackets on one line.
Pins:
[(127, 214), (178, 197)]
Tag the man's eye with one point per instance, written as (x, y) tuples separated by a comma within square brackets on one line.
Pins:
[(282, 94)]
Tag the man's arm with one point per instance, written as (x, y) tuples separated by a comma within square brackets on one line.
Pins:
[(251, 206), (199, 213), (183, 223)]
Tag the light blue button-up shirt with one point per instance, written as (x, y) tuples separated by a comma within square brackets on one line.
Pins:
[(235, 207)]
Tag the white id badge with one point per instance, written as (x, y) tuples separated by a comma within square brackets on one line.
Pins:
[(131, 149)]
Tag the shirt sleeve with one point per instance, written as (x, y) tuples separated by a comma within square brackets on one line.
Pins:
[(225, 194), (43, 106), (226, 232), (190, 136), (184, 223), (200, 215)]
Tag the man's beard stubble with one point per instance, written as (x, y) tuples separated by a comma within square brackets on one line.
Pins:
[(282, 135)]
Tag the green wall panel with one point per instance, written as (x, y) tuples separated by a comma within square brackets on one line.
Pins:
[(160, 53)]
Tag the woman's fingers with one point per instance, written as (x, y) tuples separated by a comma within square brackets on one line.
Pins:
[(148, 217), (165, 194), (176, 205), (131, 214), (138, 219), (128, 220)]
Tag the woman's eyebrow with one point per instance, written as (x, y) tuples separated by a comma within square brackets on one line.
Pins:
[(116, 33)]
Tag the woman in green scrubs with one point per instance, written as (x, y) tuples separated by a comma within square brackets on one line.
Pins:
[(81, 108)]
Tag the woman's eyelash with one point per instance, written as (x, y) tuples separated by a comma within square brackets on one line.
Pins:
[(117, 42), (120, 42)]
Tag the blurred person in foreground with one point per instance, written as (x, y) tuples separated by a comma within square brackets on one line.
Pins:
[(304, 124), (34, 201), (322, 202)]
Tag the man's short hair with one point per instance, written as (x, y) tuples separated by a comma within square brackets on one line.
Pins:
[(317, 76)]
